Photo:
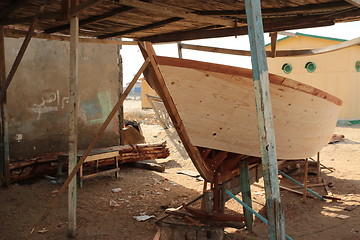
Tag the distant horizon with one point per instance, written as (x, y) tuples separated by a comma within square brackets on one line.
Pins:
[(132, 58)]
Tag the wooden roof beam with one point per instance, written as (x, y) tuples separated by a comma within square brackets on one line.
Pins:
[(279, 53), (14, 33), (137, 29), (44, 16), (82, 6), (6, 11), (173, 11), (288, 10), (91, 19), (226, 32), (354, 2)]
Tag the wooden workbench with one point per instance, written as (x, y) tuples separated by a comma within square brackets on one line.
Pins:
[(95, 155)]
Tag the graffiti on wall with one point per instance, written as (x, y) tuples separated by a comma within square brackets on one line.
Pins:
[(50, 102), (93, 111)]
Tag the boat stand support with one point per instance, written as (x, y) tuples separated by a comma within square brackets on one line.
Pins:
[(246, 192), (276, 217)]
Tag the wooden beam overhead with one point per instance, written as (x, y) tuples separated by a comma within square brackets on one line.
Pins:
[(279, 53), (137, 29), (354, 2), (6, 11), (89, 20), (178, 12), (14, 33), (226, 32), (18, 20), (82, 6), (288, 10)]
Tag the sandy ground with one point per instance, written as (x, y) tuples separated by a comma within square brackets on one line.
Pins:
[(150, 192)]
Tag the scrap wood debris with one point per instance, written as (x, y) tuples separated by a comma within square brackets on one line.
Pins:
[(46, 164)]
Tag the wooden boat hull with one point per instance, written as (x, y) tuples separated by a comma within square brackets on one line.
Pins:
[(213, 109)]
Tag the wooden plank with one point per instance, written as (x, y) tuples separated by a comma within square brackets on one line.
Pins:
[(101, 130), (6, 11), (89, 20), (208, 32), (273, 37), (75, 10), (19, 33), (4, 132), (73, 131), (354, 2), (280, 53), (20, 55), (55, 16), (294, 191), (246, 192), (179, 49), (215, 162), (306, 170), (276, 216), (278, 10), (137, 29), (173, 11)]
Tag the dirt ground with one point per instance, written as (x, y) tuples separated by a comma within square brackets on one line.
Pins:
[(147, 192)]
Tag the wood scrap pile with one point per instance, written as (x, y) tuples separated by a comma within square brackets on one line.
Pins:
[(23, 169), (133, 153), (46, 164)]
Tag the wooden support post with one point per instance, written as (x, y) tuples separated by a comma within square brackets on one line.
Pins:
[(179, 49), (273, 37), (120, 84), (246, 192), (265, 120), (305, 179), (318, 168), (4, 157), (73, 105)]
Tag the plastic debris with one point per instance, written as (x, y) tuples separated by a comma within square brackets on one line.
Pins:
[(143, 217), (42, 231), (115, 190), (113, 203)]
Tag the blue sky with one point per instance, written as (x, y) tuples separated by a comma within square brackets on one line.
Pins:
[(132, 58)]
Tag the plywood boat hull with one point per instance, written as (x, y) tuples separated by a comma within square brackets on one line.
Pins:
[(213, 109)]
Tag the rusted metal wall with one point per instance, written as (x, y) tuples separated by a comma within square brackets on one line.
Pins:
[(38, 96)]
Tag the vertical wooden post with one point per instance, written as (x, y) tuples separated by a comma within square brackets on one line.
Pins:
[(318, 168), (73, 105), (4, 158), (265, 119), (120, 92), (179, 49), (273, 37), (246, 192), (305, 179)]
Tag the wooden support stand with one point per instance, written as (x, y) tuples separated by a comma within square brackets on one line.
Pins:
[(94, 156), (246, 192)]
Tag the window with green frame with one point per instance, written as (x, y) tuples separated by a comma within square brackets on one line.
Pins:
[(357, 66), (287, 68), (310, 67)]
